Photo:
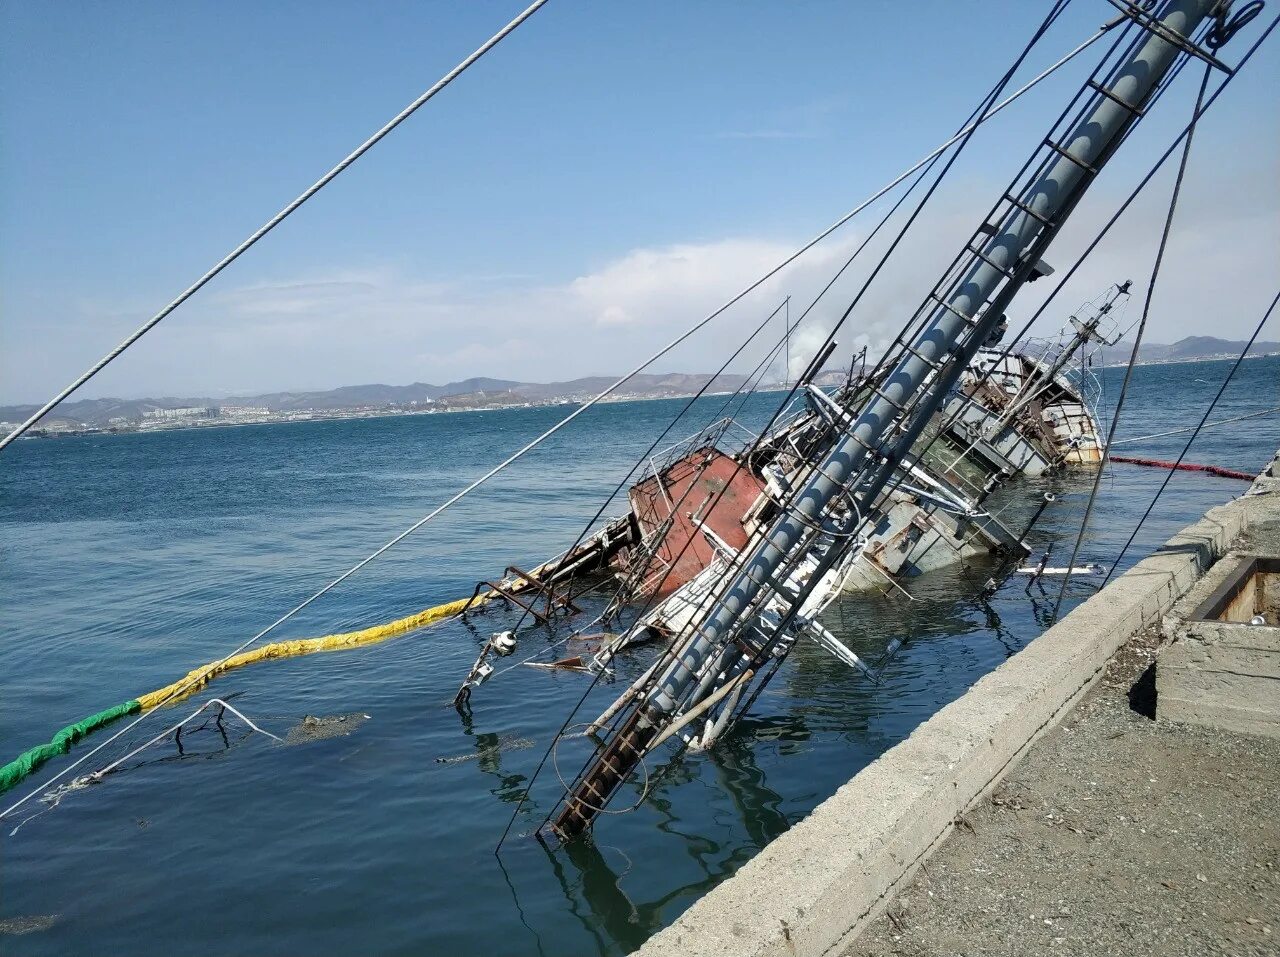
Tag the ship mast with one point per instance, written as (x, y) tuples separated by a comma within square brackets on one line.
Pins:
[(1085, 332), (727, 642)]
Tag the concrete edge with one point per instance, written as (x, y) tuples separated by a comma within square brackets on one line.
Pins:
[(818, 885)]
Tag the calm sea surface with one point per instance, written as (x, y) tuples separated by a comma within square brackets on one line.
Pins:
[(128, 560)]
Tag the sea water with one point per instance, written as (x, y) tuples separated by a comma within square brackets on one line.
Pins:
[(128, 560)]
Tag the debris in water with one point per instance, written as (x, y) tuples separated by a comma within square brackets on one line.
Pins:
[(312, 728), (27, 925), (507, 743)]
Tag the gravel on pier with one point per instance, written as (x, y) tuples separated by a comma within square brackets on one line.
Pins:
[(1116, 834)]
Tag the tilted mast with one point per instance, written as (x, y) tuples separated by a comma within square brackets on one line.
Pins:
[(727, 643), (1085, 332)]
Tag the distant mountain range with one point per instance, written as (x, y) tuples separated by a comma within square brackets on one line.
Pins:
[(469, 393), (1184, 350), (473, 393)]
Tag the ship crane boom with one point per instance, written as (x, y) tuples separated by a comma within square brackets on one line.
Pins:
[(730, 640)]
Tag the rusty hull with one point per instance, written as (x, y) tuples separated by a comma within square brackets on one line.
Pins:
[(691, 487)]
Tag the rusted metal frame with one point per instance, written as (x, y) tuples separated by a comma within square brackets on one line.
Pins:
[(545, 588), (504, 592)]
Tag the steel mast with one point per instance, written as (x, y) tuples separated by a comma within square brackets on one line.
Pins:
[(724, 643)]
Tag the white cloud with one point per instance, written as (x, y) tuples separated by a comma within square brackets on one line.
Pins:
[(388, 325), (673, 283)]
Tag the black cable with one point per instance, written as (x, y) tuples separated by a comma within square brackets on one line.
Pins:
[(1123, 208), (1052, 15), (992, 97), (984, 376), (1186, 448), (787, 399), (773, 419), (1137, 339)]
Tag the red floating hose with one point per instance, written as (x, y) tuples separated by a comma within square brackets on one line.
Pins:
[(1185, 466)]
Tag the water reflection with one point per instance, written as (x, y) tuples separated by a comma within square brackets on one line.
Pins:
[(593, 887), (488, 751)]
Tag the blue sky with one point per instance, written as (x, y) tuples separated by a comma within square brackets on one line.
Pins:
[(601, 179)]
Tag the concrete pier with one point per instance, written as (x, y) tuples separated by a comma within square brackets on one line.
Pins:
[(816, 888), (1222, 669)]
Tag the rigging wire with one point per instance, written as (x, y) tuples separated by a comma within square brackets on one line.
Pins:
[(235, 254), (1121, 210), (274, 221), (1247, 56), (652, 599), (1012, 342), (963, 138), (586, 530), (1198, 428), (1137, 338), (1194, 434), (928, 159)]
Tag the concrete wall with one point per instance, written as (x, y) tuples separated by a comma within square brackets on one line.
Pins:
[(815, 887), (1222, 675)]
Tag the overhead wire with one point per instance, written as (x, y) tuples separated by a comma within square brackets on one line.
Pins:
[(1011, 342), (1168, 152), (1226, 381), (273, 222), (1120, 211), (825, 233), (586, 530), (963, 139), (235, 254), (1137, 339), (656, 591)]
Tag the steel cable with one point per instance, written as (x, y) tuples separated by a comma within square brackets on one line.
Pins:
[(273, 222), (1137, 339), (1027, 87), (963, 139), (1195, 433)]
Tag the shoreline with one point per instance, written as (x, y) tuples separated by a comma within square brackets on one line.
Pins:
[(285, 418), (339, 415)]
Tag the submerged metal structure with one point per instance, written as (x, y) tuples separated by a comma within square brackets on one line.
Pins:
[(1017, 412), (751, 615)]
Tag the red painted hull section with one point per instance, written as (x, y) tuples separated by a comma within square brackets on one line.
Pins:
[(690, 486)]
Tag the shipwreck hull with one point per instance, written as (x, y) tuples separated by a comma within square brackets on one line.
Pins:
[(704, 488)]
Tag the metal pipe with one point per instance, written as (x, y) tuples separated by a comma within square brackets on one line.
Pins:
[(954, 332), (1054, 195)]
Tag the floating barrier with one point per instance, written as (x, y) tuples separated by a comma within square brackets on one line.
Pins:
[(1185, 467), (26, 763)]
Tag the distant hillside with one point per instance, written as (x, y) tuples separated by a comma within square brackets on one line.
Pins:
[(469, 393), (1185, 350)]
